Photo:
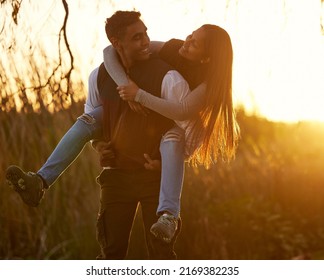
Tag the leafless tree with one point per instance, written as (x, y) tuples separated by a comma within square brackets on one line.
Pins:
[(61, 89)]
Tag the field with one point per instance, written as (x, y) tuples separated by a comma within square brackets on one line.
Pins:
[(266, 204)]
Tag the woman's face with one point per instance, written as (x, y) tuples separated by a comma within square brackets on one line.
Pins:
[(194, 47)]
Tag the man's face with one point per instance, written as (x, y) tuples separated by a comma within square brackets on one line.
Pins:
[(134, 45)]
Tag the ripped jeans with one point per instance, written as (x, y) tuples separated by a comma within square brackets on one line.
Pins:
[(172, 150), (87, 127)]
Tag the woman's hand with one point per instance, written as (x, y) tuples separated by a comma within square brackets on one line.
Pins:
[(128, 92), (152, 164), (138, 108)]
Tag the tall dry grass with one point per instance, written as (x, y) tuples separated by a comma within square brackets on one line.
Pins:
[(267, 204), (63, 226)]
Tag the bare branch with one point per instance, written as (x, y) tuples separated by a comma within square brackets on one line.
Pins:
[(63, 31), (67, 76), (15, 4), (15, 10)]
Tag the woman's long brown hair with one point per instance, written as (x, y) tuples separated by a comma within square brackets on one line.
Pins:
[(218, 130)]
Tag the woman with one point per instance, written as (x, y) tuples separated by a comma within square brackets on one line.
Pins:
[(205, 117)]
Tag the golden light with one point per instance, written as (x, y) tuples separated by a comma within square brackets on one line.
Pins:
[(278, 48), (278, 44)]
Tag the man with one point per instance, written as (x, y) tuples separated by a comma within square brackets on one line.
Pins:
[(125, 182)]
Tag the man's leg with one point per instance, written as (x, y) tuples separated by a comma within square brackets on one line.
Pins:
[(149, 193), (118, 206)]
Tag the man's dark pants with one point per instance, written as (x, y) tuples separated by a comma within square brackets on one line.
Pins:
[(121, 191)]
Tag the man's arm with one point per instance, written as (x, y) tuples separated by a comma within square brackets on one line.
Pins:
[(93, 98), (103, 148)]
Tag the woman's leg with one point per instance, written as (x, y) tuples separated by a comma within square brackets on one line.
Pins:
[(172, 153), (29, 185), (87, 127)]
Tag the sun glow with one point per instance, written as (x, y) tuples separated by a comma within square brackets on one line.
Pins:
[(280, 61), (278, 45), (278, 49)]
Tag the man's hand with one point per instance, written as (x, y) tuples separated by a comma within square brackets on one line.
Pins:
[(106, 153), (152, 164)]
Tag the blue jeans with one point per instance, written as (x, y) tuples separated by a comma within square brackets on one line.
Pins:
[(87, 127), (172, 154)]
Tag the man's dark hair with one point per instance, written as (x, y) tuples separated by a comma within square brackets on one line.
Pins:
[(116, 25)]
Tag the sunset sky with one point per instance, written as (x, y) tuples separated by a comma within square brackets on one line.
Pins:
[(278, 45)]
